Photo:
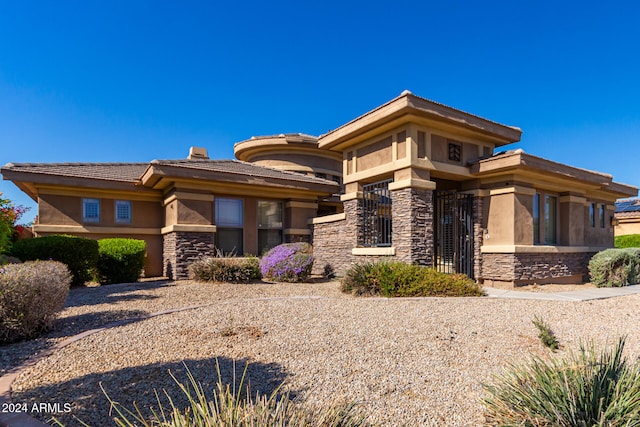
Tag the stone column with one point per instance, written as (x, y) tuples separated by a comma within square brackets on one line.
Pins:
[(183, 248), (412, 225)]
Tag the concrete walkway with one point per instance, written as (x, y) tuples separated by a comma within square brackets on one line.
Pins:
[(582, 295)]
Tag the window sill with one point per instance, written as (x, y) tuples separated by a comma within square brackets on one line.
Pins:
[(386, 251)]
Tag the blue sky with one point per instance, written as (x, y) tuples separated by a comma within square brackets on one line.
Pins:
[(132, 80)]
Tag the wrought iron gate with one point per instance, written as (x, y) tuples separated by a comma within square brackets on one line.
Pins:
[(453, 232), (376, 213)]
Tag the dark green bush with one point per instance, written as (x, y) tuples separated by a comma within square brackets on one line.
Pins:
[(399, 279), (230, 270), (615, 267), (120, 260), (31, 294), (78, 254), (628, 241), (585, 389)]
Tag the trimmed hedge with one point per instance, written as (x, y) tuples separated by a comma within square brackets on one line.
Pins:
[(628, 241), (229, 270), (31, 294), (80, 255), (120, 260), (615, 267), (288, 262), (398, 279)]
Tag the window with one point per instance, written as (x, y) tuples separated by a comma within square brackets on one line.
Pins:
[(536, 219), (123, 212), (550, 215), (592, 214), (91, 210), (455, 152), (376, 214), (545, 214), (229, 223), (601, 216), (269, 225)]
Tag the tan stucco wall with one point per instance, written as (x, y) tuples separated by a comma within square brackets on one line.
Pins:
[(624, 228), (500, 221), (67, 210), (298, 162), (251, 226), (597, 236), (376, 154), (59, 210), (195, 212), (523, 223), (298, 218), (440, 150), (571, 224)]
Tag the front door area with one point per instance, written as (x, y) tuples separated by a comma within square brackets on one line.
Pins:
[(453, 232)]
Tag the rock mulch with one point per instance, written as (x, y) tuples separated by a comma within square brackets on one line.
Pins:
[(408, 361)]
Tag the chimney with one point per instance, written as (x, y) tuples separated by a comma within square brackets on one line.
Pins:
[(198, 153)]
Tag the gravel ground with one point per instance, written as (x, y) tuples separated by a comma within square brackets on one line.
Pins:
[(408, 361)]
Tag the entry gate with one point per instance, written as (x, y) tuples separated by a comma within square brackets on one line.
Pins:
[(453, 232)]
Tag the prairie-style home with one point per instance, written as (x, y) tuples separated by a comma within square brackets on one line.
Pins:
[(412, 180)]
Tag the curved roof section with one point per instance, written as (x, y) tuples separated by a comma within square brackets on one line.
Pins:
[(289, 142)]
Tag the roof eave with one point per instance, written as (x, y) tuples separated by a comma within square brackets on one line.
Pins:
[(408, 103)]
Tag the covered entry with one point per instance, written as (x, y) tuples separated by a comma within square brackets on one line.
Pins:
[(453, 232)]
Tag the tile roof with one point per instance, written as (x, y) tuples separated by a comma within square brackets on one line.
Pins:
[(121, 172), (242, 168), (628, 205)]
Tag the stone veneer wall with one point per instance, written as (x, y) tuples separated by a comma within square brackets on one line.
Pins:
[(333, 241), (182, 248), (412, 230), (526, 268)]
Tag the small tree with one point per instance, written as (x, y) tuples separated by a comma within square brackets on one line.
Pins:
[(9, 215)]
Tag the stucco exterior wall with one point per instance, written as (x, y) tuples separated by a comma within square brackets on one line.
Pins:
[(628, 226), (67, 210), (298, 162)]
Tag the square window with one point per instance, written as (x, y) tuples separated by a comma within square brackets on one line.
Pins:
[(123, 212), (91, 210), (455, 152), (228, 212)]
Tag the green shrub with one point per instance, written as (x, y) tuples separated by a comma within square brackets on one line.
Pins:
[(120, 260), (399, 279), (585, 389), (31, 294), (230, 270), (615, 267), (289, 262), (546, 335), (233, 405), (78, 254), (628, 241)]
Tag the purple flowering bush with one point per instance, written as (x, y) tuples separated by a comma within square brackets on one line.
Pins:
[(289, 262)]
